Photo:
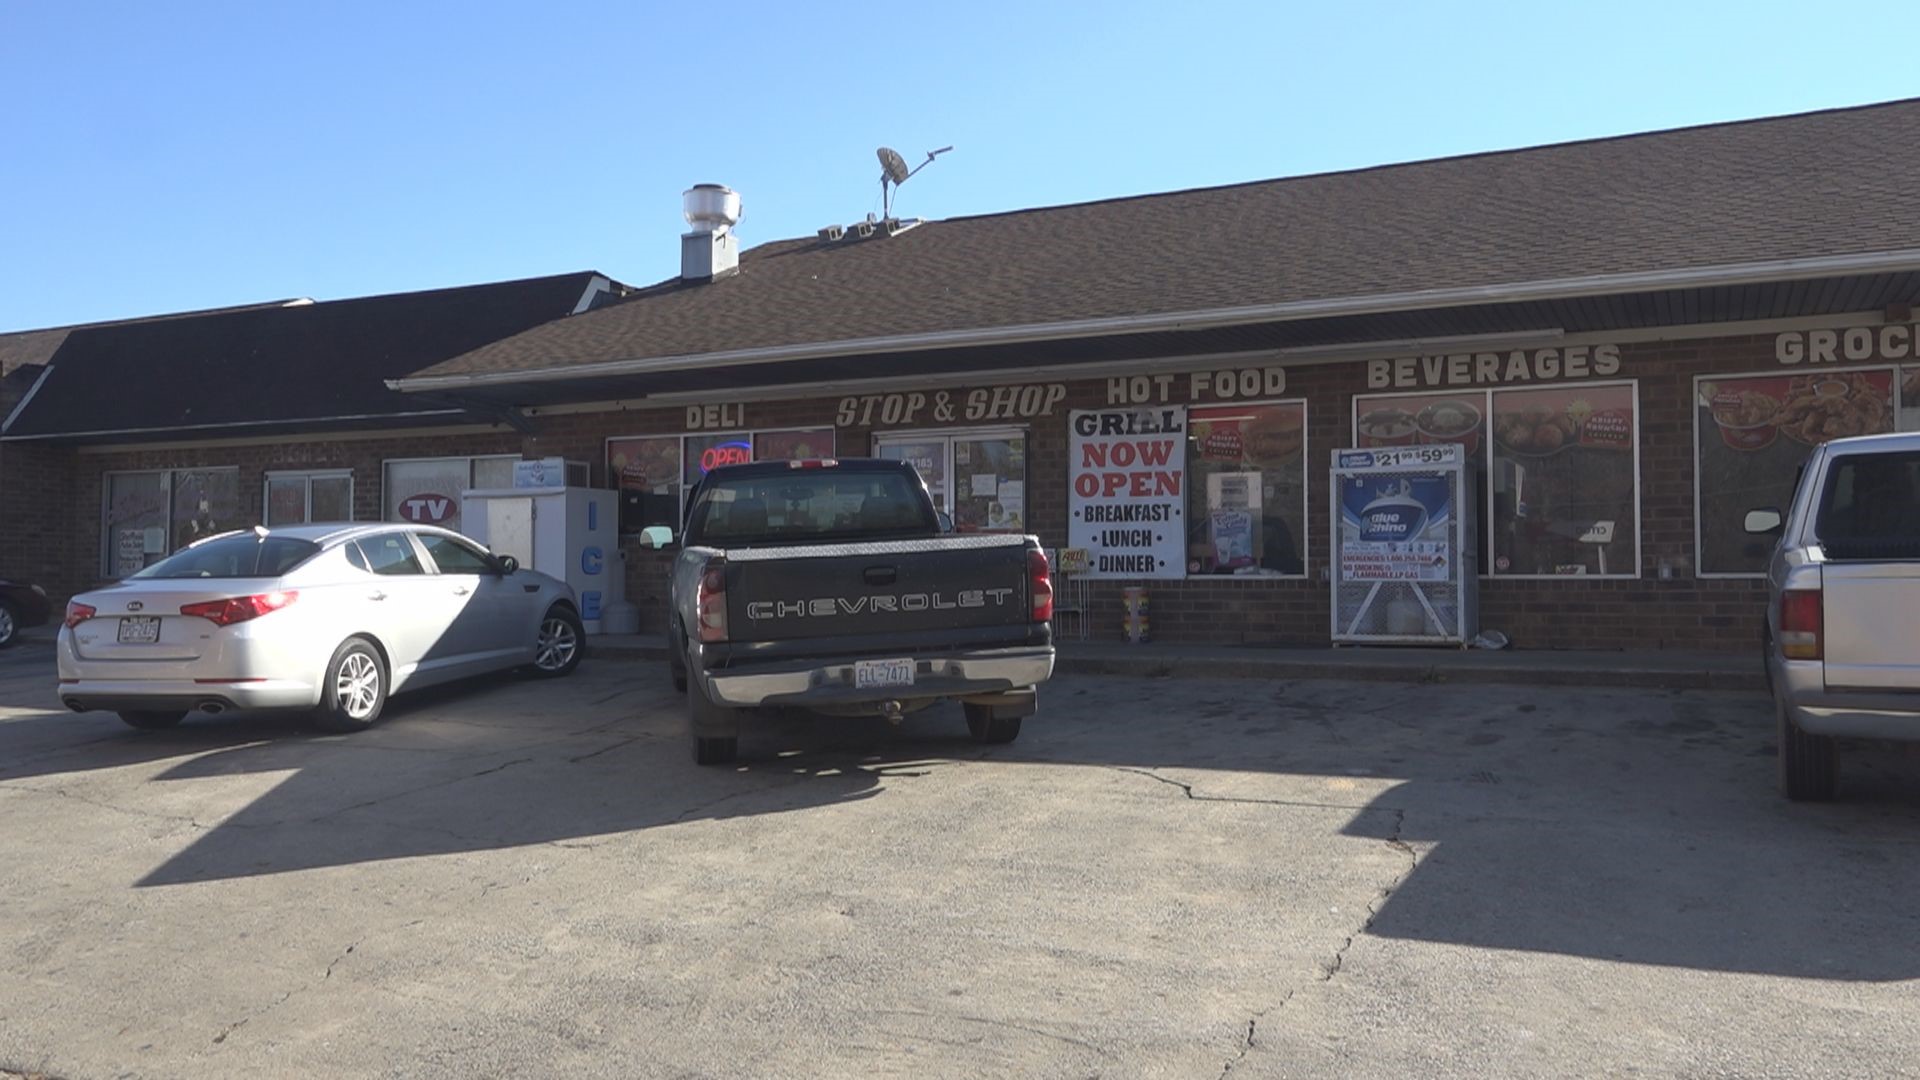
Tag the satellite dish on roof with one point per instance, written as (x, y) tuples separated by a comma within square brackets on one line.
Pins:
[(894, 172)]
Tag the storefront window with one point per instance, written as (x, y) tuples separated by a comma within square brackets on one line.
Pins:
[(298, 498), (205, 502), (646, 472), (704, 453), (1246, 489), (1431, 419), (150, 515), (1565, 496), (427, 491), (802, 445), (1753, 432), (136, 521), (978, 478), (929, 456)]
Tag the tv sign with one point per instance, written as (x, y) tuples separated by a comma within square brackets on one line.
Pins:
[(428, 508)]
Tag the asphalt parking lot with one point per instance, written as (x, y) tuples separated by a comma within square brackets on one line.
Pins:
[(1161, 878)]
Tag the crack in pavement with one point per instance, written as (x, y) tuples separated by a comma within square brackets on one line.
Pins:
[(1333, 967), (1308, 804), (423, 788), (1246, 1041)]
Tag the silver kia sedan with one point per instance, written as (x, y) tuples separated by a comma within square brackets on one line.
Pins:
[(325, 618)]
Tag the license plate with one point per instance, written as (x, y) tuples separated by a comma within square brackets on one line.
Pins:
[(140, 630), (877, 674)]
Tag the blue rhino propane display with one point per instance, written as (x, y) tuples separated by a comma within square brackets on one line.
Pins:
[(1404, 547)]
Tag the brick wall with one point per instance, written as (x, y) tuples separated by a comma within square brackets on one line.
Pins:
[(50, 499)]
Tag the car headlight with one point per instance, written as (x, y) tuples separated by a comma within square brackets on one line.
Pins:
[(38, 589)]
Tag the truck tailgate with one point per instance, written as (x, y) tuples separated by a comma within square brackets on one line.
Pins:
[(884, 587), (1871, 611)]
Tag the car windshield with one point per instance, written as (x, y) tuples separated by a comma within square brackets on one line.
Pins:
[(810, 504), (241, 555)]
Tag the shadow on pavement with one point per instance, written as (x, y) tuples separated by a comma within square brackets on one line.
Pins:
[(1615, 825)]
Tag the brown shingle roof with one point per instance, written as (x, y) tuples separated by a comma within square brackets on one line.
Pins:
[(1829, 183)]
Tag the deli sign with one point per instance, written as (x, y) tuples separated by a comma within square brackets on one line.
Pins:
[(428, 508)]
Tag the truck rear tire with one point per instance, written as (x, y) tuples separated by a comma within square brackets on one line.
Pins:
[(715, 728), (985, 728), (1809, 764)]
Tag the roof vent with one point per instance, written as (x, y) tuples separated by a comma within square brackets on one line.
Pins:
[(710, 250)]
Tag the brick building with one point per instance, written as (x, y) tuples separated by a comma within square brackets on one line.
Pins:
[(1635, 339)]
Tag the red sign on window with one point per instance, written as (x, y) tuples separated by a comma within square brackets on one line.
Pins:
[(731, 453)]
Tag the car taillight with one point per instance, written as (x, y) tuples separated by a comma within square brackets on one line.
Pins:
[(1800, 624), (1041, 587), (712, 603), (239, 608), (79, 613)]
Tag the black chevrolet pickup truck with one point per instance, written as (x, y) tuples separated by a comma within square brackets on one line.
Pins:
[(833, 586)]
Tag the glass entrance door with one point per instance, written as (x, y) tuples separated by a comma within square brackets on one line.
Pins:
[(978, 477)]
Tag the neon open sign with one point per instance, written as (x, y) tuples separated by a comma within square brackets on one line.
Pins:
[(726, 453)]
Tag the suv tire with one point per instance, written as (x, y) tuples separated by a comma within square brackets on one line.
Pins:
[(1809, 764)]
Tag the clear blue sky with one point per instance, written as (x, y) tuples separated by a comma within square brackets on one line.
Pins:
[(171, 156)]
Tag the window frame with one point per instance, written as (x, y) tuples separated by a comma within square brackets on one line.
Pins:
[(1305, 539), (386, 480), (751, 435), (949, 436), (487, 563), (166, 476), (1895, 367), (307, 476), (1486, 394)]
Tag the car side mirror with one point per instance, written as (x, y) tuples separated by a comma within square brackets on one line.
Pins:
[(1764, 522), (508, 564), (656, 537)]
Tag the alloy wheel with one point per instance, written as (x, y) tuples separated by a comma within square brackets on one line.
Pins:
[(358, 685), (6, 625), (558, 642)]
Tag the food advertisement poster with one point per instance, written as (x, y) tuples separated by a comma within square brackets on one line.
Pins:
[(1126, 475), (649, 464), (1396, 528), (1755, 431), (1247, 462), (1563, 480), (1423, 419)]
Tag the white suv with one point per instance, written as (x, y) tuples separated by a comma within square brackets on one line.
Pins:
[(1843, 622)]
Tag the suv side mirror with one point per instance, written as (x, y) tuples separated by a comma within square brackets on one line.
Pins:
[(656, 537), (1764, 522), (508, 564)]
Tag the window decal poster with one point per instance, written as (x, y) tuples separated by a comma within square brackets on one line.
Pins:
[(1126, 476), (1394, 528)]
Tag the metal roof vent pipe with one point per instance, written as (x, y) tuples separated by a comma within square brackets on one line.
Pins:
[(710, 250)]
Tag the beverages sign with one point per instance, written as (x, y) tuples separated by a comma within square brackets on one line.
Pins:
[(1126, 475)]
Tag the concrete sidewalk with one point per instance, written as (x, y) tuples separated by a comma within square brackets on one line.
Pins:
[(1650, 669)]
